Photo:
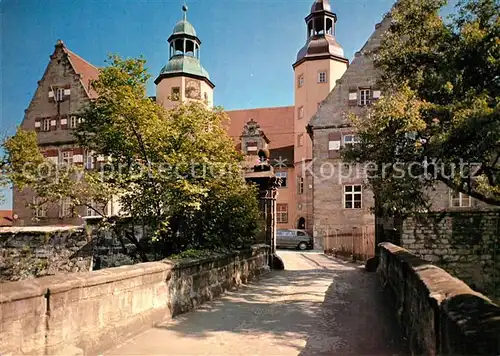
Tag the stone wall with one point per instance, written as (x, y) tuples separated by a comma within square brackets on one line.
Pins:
[(464, 243), (90, 312), (37, 252), (439, 314)]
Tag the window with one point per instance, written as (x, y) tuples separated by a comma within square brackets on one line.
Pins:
[(40, 208), (281, 213), (205, 96), (46, 125), (59, 94), (322, 77), (300, 139), (350, 139), (95, 209), (67, 158), (352, 196), (364, 97), (73, 121), (300, 185), (89, 161), (283, 176), (301, 112), (176, 93), (300, 81), (65, 207), (459, 200)]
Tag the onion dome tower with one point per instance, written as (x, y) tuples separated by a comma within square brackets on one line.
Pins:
[(183, 77), (318, 66)]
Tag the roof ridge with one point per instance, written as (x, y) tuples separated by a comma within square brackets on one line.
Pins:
[(263, 108), (79, 57)]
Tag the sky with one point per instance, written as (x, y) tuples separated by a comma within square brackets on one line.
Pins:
[(248, 46)]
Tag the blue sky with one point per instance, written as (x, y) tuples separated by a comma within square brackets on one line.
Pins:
[(248, 46)]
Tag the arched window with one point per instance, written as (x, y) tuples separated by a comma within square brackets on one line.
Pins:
[(310, 31), (301, 224), (329, 27)]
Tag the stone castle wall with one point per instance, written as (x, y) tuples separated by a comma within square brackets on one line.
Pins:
[(41, 252), (86, 313), (465, 243), (438, 314)]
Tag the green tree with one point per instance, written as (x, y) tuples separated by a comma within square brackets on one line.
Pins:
[(439, 117), (176, 172)]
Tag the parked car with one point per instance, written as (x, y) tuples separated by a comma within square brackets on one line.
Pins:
[(294, 238)]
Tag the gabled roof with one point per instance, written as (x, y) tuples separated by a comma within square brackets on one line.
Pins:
[(361, 72), (275, 122), (5, 217), (87, 71)]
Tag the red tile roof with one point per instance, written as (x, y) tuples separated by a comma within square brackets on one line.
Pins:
[(87, 71), (5, 217), (275, 122)]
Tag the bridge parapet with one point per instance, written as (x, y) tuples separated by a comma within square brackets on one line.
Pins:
[(84, 313), (438, 313)]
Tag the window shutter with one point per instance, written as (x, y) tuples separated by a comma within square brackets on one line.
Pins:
[(51, 94), (78, 158), (64, 123), (353, 96), (37, 125), (334, 144), (67, 92), (376, 94), (53, 124)]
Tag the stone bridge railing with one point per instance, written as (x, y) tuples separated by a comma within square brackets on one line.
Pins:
[(439, 314), (88, 312)]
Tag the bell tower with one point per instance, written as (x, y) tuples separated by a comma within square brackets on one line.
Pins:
[(183, 77), (319, 64)]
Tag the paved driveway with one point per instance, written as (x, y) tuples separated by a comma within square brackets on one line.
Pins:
[(317, 306)]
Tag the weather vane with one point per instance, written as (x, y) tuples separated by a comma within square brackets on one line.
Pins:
[(185, 9)]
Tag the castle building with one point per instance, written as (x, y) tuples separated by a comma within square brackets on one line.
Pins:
[(64, 89)]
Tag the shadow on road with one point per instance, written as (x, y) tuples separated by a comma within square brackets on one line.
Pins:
[(327, 308)]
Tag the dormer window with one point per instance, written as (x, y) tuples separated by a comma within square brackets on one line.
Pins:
[(46, 125), (365, 97), (73, 121), (350, 139)]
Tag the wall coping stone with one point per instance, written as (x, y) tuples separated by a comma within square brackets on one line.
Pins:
[(474, 315), (36, 287)]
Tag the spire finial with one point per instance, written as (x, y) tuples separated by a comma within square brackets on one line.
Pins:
[(185, 9)]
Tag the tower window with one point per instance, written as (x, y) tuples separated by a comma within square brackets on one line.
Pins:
[(300, 81), (176, 93), (283, 176), (329, 27), (300, 139), (300, 185), (322, 77), (301, 112), (364, 97)]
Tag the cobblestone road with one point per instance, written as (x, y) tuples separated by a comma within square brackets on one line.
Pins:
[(317, 306)]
